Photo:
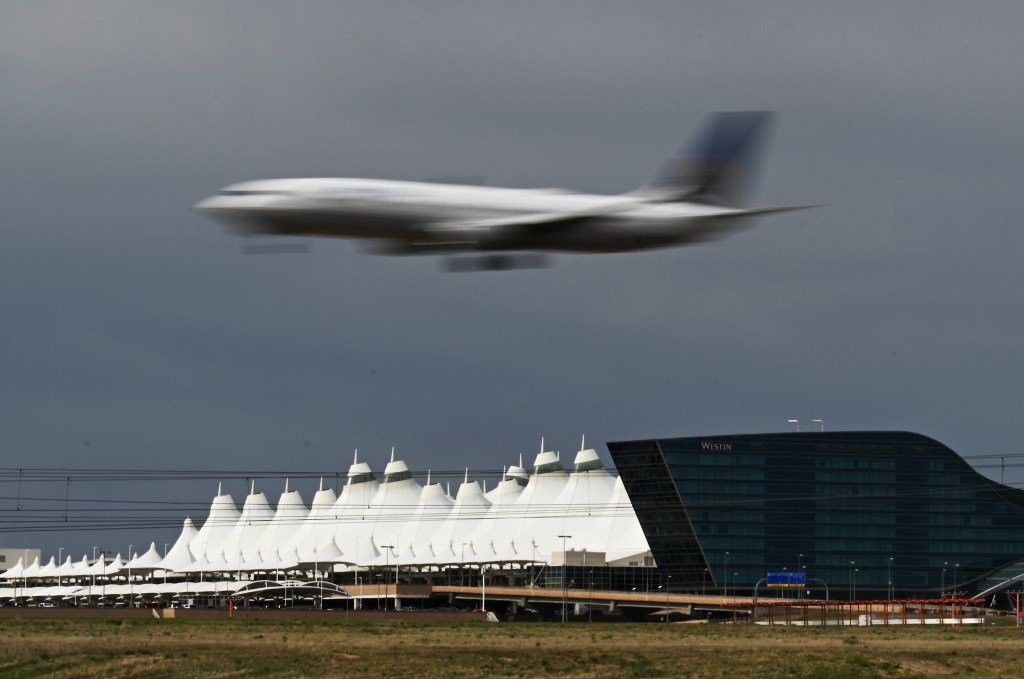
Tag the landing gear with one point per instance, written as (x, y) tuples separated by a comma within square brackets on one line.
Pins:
[(495, 263)]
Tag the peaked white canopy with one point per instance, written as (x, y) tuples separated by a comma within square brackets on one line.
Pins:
[(14, 571), (520, 520), (149, 561), (287, 520), (317, 528), (65, 569), (80, 568), (179, 557), (32, 570), (102, 568), (218, 525)]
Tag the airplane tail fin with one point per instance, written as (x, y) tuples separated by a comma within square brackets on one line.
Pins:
[(718, 164)]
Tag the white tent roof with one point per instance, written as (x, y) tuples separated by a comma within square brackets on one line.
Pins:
[(65, 569), (318, 526), (625, 535), (101, 567), (585, 498), (534, 515), (32, 570), (218, 525), (287, 520), (353, 512), (514, 473), (360, 551), (179, 557), (394, 504), (80, 568), (244, 536), (430, 514), (49, 570), (210, 564), (321, 555), (499, 514), (276, 561), (148, 561), (14, 571), (520, 520), (468, 511)]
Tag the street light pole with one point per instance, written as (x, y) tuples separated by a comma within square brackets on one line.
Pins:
[(821, 423), (387, 553), (668, 582), (316, 575), (565, 591), (462, 564), (891, 588), (590, 587), (800, 568), (796, 422), (725, 575), (131, 589), (483, 588)]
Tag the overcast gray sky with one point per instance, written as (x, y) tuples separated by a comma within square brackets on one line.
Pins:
[(135, 334)]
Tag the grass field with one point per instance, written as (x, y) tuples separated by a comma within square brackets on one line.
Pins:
[(120, 647)]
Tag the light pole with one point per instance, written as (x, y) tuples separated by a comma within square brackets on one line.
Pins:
[(131, 589), (387, 553), (704, 583), (891, 588), (590, 599), (103, 555), (483, 588), (796, 422), (565, 591), (725, 575), (533, 564), (60, 555), (462, 564), (669, 582), (955, 567), (849, 582), (92, 576), (821, 423), (942, 591), (801, 567), (316, 575)]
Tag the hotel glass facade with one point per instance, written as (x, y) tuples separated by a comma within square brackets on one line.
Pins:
[(859, 512)]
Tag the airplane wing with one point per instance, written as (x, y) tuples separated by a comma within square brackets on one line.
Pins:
[(753, 212), (534, 221)]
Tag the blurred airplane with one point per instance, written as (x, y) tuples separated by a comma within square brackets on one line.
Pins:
[(694, 198)]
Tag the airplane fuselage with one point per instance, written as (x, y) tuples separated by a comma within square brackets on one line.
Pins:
[(428, 217), (690, 200)]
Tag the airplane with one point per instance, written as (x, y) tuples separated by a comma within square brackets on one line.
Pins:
[(694, 198)]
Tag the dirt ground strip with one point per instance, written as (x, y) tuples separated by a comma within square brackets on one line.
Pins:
[(121, 646)]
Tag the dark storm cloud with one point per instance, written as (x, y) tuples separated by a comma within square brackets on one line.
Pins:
[(134, 326)]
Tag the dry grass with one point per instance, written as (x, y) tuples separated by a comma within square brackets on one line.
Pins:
[(117, 647)]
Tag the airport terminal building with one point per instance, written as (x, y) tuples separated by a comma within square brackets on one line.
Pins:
[(867, 514), (859, 515)]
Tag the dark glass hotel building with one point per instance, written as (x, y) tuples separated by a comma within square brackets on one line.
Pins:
[(868, 514)]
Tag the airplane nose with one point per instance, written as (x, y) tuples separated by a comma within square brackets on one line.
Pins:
[(209, 204)]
